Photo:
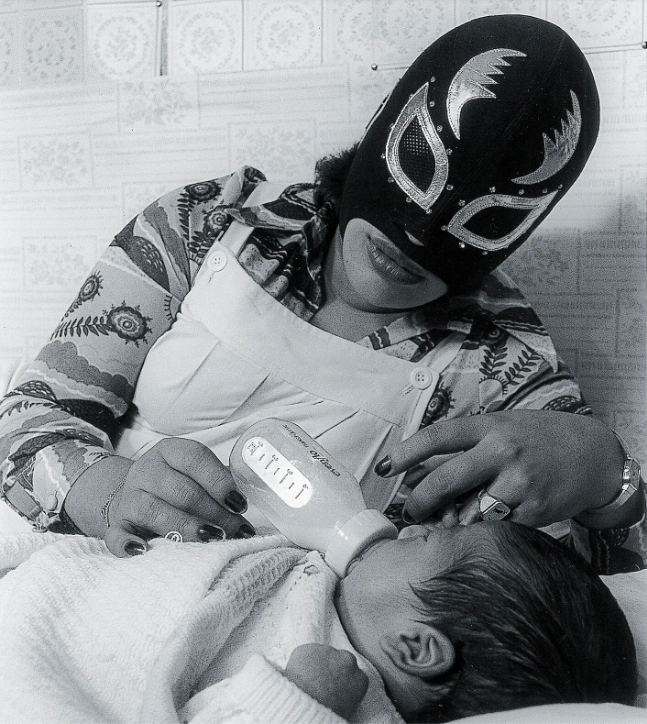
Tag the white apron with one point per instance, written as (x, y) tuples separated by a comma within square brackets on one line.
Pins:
[(235, 355)]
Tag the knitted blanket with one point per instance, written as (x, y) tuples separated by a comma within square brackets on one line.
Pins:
[(87, 637)]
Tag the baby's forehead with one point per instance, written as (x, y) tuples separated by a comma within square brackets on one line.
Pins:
[(482, 540)]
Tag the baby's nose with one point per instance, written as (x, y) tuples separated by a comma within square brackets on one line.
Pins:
[(412, 531)]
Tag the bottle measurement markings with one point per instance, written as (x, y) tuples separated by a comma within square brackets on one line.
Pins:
[(293, 487)]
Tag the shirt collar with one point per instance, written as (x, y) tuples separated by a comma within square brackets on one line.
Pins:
[(497, 301)]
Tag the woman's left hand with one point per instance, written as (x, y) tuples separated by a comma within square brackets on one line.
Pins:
[(545, 466)]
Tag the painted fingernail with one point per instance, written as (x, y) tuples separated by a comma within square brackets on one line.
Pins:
[(134, 548), (236, 502), (245, 531), (384, 466), (209, 532), (407, 518)]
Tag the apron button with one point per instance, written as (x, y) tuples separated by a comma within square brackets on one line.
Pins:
[(217, 261), (421, 378)]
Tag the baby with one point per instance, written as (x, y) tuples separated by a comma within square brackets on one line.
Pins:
[(469, 620), (455, 622)]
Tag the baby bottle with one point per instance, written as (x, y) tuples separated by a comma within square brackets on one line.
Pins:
[(305, 493)]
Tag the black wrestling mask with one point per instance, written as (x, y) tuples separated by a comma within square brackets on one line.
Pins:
[(477, 142)]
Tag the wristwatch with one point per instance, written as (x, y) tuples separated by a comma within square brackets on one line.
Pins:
[(630, 482)]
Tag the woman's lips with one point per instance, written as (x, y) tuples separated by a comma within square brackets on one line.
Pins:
[(389, 268)]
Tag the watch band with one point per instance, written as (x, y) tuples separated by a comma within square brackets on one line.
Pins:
[(630, 482)]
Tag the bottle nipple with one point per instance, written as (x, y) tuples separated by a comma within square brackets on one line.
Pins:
[(354, 536)]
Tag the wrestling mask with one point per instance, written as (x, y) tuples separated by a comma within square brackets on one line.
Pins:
[(477, 142)]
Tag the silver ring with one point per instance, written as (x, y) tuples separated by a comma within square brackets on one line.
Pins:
[(175, 536), (492, 508)]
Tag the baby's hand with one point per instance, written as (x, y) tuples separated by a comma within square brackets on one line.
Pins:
[(329, 675)]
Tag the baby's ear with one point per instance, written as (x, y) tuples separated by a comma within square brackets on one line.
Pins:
[(420, 650)]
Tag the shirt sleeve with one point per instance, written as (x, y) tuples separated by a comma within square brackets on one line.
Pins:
[(613, 550), (59, 419)]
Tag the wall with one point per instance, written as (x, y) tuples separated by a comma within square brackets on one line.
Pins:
[(106, 105)]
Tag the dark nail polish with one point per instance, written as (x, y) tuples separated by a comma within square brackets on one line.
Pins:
[(208, 533), (236, 502), (384, 466), (134, 548), (245, 531), (406, 517)]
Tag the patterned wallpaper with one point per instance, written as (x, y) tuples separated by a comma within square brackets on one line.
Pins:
[(106, 105)]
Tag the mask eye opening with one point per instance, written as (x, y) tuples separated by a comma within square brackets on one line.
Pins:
[(496, 221), (534, 207), (416, 108), (416, 157)]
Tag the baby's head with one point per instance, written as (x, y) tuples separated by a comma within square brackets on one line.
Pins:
[(483, 618)]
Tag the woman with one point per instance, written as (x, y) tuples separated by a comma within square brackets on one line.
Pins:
[(361, 312)]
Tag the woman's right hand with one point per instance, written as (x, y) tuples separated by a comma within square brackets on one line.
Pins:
[(177, 485)]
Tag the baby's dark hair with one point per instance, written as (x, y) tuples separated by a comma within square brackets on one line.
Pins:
[(532, 625)]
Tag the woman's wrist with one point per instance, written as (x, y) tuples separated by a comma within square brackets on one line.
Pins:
[(625, 516), (626, 506), (86, 501)]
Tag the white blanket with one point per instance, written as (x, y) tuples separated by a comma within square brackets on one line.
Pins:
[(87, 637)]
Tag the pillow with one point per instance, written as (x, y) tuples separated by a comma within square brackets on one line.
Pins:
[(563, 714), (630, 590)]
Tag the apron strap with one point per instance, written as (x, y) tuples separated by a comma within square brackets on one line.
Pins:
[(376, 490), (237, 234), (438, 360)]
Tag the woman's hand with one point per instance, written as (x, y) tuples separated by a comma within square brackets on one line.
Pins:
[(546, 466), (329, 675), (178, 485)]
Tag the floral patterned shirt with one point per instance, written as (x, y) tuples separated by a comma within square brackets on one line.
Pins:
[(60, 418)]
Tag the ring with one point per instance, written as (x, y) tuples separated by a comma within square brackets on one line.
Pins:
[(174, 536), (492, 508)]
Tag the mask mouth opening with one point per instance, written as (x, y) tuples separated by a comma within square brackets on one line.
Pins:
[(401, 233)]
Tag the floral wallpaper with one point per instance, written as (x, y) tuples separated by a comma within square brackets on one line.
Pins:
[(107, 104), (121, 39)]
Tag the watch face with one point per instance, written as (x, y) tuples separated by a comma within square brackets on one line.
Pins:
[(632, 472)]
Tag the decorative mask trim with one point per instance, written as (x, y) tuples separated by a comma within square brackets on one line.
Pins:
[(416, 107), (536, 207), (557, 153), (470, 81), (413, 240)]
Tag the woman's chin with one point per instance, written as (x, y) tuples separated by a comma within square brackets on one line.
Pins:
[(382, 297)]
